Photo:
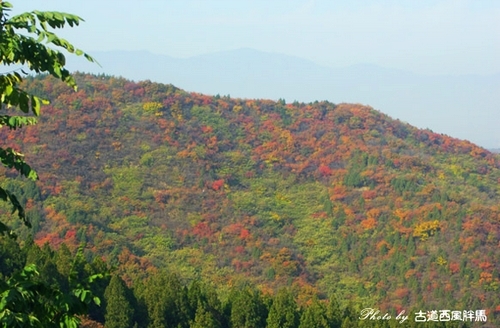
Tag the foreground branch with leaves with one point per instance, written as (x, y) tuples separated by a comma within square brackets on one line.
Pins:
[(26, 301), (25, 46)]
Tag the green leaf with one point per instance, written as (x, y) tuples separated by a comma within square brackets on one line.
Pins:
[(8, 90), (83, 295), (35, 104), (14, 122)]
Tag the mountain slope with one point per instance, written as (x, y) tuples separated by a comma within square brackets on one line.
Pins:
[(328, 198)]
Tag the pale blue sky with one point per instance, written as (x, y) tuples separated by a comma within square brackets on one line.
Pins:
[(428, 37), (423, 36)]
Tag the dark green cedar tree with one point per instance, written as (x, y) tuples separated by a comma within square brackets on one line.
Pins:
[(283, 313), (119, 312)]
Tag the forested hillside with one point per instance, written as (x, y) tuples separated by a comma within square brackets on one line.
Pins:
[(327, 199)]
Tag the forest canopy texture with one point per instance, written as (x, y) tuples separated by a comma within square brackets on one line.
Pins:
[(325, 199), (211, 211)]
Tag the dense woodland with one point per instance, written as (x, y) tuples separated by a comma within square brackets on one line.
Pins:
[(204, 205)]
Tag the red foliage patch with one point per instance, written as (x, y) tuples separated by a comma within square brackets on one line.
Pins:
[(217, 184), (325, 170), (244, 234), (202, 230)]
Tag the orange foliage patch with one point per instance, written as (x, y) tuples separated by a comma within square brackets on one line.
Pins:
[(401, 293), (454, 267), (369, 223), (486, 265), (218, 184), (369, 194), (338, 193)]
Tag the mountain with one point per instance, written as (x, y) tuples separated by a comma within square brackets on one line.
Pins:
[(326, 198), (461, 106)]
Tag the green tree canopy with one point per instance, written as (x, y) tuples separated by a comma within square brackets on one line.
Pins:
[(119, 312), (283, 313), (247, 309), (314, 316)]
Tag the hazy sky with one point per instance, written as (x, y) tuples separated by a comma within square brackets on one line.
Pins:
[(430, 37), (423, 36)]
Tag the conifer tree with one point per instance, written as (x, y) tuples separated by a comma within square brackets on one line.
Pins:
[(314, 316), (347, 323), (348, 318), (154, 297), (334, 313), (44, 259), (247, 309), (166, 301), (194, 295), (12, 258), (204, 318), (64, 259), (283, 313), (178, 310), (119, 312), (97, 312)]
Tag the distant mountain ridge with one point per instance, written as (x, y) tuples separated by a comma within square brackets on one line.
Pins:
[(461, 106)]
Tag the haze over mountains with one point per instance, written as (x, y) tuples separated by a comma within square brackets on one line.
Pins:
[(465, 107)]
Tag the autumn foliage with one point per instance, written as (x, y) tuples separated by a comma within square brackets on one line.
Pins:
[(337, 198)]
